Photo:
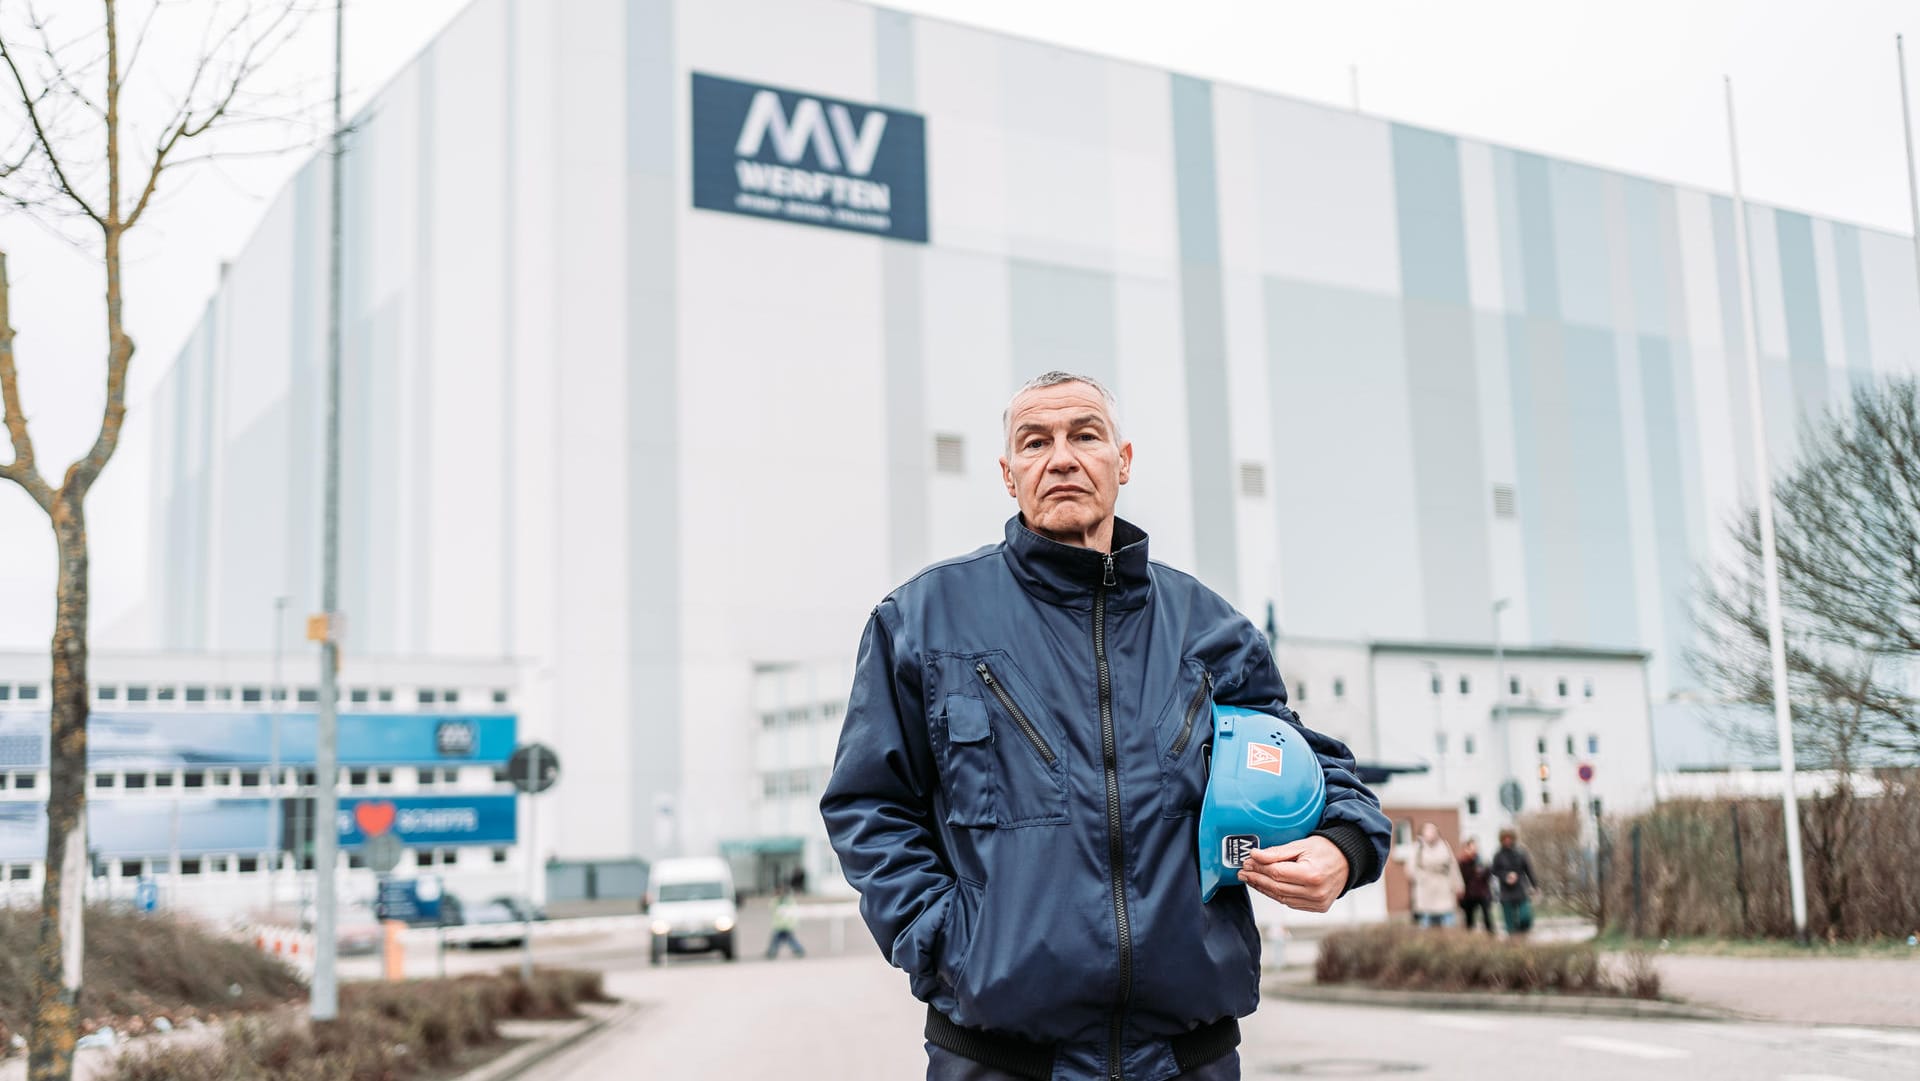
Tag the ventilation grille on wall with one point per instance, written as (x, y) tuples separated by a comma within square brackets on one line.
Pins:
[(1503, 501), (949, 454), (1253, 479)]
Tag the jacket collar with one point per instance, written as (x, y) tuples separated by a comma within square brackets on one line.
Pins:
[(1068, 575)]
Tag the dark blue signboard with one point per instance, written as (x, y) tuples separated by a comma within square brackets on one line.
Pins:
[(793, 156), (184, 739), (409, 900), (424, 821)]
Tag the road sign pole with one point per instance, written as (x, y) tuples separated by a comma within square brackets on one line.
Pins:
[(531, 852)]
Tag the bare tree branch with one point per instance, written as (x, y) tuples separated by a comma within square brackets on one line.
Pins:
[(30, 103), (21, 470)]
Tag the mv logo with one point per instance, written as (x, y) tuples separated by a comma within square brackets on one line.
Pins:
[(829, 130), (1236, 847)]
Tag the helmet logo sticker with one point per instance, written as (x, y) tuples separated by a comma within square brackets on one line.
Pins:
[(1236, 847), (1263, 757)]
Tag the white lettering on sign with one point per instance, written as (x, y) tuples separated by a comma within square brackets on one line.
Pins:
[(439, 820), (828, 130), (758, 177)]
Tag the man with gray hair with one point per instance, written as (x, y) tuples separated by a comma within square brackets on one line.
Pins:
[(1022, 764)]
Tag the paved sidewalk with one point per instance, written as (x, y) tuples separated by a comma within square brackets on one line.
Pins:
[(1808, 990)]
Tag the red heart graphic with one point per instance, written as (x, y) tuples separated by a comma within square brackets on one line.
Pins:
[(374, 818)]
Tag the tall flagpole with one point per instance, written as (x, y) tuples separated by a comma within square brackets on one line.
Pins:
[(324, 1004), (1906, 128), (1769, 556)]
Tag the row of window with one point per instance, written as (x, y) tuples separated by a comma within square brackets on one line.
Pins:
[(141, 694), (1467, 745), (1561, 687), (208, 778), (792, 782), (202, 866), (799, 715)]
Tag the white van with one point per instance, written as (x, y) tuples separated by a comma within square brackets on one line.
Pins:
[(690, 902)]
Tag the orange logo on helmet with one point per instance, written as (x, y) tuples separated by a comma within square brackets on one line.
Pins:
[(1264, 757)]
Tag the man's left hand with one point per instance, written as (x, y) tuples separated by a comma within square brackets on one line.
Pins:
[(1307, 874)]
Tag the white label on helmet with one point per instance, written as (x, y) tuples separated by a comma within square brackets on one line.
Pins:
[(1264, 757), (1235, 849)]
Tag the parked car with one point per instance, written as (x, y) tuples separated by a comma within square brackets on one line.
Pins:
[(691, 905), (523, 909), (494, 924)]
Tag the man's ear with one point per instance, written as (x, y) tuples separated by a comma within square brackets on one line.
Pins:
[(1006, 474), (1126, 461)]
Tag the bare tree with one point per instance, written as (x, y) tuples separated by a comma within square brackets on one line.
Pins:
[(82, 165)]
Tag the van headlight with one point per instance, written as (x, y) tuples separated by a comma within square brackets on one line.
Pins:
[(661, 927), (723, 924)]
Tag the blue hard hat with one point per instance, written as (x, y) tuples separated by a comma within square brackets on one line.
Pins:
[(1264, 788)]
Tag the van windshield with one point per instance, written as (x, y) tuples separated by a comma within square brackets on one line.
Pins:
[(692, 891)]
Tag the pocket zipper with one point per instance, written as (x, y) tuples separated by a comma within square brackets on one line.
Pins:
[(1193, 713), (1019, 718)]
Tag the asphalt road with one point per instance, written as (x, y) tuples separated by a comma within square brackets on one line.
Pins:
[(849, 1018)]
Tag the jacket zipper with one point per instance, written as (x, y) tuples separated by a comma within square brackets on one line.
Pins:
[(1116, 848), (1193, 712), (1019, 718)]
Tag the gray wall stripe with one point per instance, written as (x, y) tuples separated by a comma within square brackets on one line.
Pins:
[(653, 418), (1203, 336), (909, 449), (1800, 294)]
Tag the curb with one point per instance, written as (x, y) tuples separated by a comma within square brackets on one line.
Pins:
[(520, 1060), (1297, 990)]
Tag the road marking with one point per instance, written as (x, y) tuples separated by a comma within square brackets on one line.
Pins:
[(1873, 1035), (1462, 1021), (1624, 1047)]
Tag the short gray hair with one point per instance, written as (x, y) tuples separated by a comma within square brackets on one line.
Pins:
[(1053, 379)]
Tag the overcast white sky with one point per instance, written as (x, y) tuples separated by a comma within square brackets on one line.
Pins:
[(1627, 84)]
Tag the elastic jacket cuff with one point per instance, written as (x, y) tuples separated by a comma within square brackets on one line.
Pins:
[(1353, 843)]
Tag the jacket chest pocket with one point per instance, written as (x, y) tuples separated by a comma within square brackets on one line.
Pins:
[(999, 752), (1186, 739)]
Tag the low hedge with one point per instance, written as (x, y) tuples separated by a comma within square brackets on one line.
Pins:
[(1409, 958), (385, 1031)]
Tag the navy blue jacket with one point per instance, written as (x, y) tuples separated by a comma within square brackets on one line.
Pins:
[(1016, 790)]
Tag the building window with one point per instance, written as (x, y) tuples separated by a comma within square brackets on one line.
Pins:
[(103, 780), (194, 778), (309, 694), (218, 864), (386, 695), (29, 692), (1300, 691), (6, 691), (163, 779), (773, 785), (1513, 684), (1593, 744), (1339, 688), (500, 775), (1546, 800), (451, 698), (164, 694), (249, 694), (1473, 805), (106, 692), (383, 776), (499, 856), (356, 861), (1586, 688), (310, 778), (425, 698), (223, 694), (3, 781), (1466, 685), (135, 693), (770, 720), (1434, 682), (356, 778), (358, 696), (222, 778), (1563, 688), (1569, 746), (1503, 503), (499, 698), (249, 864), (189, 865), (249, 778), (1541, 745), (949, 453), (450, 776), (20, 872), (1253, 480), (1466, 744), (196, 694), (131, 868)]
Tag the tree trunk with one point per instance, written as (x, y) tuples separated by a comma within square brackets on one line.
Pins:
[(56, 974)]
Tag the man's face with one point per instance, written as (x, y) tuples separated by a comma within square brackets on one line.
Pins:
[(1065, 463)]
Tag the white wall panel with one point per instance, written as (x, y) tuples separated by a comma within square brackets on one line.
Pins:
[(1327, 209)]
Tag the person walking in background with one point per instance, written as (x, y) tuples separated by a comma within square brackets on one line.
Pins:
[(1478, 877), (1436, 879), (784, 923), (1513, 870)]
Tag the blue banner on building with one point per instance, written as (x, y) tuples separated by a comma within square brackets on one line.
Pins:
[(428, 821), (186, 739), (773, 153)]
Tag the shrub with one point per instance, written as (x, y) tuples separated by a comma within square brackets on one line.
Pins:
[(385, 1032), (1406, 957)]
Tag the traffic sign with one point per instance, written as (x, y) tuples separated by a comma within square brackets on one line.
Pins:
[(1510, 796), (533, 768), (383, 852), (1586, 771)]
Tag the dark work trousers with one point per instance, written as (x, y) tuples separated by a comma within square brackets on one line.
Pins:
[(1483, 906), (944, 1065)]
